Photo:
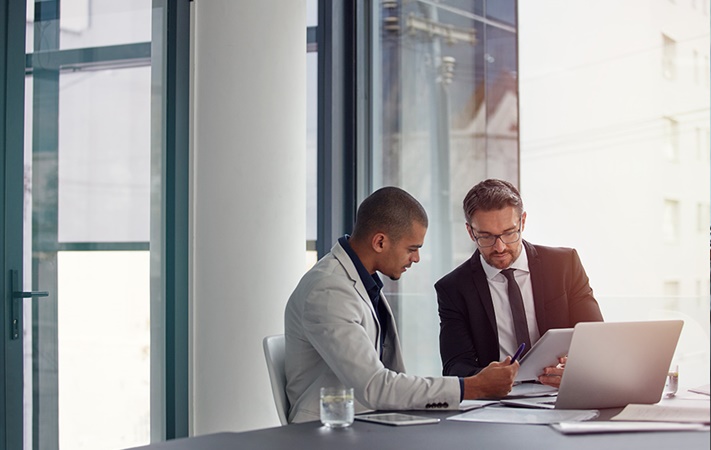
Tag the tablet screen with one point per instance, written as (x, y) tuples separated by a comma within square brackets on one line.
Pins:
[(551, 346)]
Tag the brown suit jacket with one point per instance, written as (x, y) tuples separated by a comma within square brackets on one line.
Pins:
[(468, 335)]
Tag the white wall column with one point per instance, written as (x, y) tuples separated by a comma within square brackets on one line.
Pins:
[(249, 200)]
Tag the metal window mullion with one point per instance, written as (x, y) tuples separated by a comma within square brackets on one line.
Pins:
[(12, 101), (169, 233), (337, 120)]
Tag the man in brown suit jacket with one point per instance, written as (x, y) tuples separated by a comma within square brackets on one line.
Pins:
[(477, 323)]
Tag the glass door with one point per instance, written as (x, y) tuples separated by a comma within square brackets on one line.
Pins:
[(86, 351)]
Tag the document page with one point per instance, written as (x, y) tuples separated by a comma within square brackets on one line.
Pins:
[(467, 405), (621, 427), (524, 415), (705, 389), (531, 390), (664, 413)]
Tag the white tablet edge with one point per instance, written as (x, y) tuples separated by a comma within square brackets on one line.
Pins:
[(543, 345), (396, 419)]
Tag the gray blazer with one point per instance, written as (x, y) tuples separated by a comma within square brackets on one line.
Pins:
[(332, 338)]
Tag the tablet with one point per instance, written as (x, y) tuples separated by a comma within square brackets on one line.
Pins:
[(396, 419), (544, 353)]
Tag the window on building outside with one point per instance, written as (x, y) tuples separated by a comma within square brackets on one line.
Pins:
[(670, 221), (668, 57), (671, 137)]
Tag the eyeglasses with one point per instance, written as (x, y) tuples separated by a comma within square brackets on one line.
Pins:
[(489, 241)]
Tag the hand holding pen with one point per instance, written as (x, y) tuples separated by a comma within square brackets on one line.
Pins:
[(518, 353)]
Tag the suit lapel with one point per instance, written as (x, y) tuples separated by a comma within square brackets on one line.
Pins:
[(392, 358), (537, 284), (340, 254), (482, 288), (350, 269)]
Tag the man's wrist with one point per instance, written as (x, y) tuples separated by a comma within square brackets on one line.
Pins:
[(470, 390)]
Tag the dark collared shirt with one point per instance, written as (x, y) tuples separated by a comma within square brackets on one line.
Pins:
[(373, 285)]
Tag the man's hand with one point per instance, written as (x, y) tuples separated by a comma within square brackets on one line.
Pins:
[(494, 381), (552, 375)]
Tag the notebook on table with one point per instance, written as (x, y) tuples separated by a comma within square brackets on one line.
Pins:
[(613, 364)]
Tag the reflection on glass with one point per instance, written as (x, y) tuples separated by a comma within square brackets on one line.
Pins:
[(446, 117), (94, 23), (609, 136), (104, 169)]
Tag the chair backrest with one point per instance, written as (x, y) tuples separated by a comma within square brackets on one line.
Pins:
[(274, 354)]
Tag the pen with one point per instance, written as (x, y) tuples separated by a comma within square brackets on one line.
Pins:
[(518, 352)]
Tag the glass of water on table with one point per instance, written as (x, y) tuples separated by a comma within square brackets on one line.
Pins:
[(337, 407)]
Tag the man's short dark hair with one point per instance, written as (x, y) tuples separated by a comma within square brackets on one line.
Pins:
[(491, 195), (388, 210)]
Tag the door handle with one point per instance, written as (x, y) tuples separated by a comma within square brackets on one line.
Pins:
[(16, 306)]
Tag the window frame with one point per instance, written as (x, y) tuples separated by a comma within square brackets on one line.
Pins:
[(169, 55)]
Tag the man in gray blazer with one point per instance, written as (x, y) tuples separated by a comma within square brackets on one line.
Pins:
[(340, 330)]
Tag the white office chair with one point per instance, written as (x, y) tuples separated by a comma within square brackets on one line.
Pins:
[(274, 354)]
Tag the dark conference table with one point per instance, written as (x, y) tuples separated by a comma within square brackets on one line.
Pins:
[(447, 434)]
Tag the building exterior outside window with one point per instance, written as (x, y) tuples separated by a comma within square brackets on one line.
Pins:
[(608, 144), (445, 116)]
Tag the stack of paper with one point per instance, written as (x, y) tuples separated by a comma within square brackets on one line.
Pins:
[(531, 390), (525, 415), (619, 427), (665, 413), (467, 405), (634, 417)]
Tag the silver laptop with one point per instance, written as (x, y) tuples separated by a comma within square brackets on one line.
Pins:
[(613, 364)]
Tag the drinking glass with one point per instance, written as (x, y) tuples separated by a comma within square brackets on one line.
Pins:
[(336, 407), (672, 383)]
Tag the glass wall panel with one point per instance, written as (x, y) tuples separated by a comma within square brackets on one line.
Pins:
[(104, 169), (311, 13), (95, 23), (445, 116), (311, 156), (104, 381), (86, 345), (611, 143), (610, 119)]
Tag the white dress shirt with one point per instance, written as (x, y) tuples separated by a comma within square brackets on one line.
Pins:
[(502, 310)]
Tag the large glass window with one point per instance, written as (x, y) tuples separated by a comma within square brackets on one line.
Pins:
[(599, 156), (87, 354), (445, 115), (311, 135), (104, 169)]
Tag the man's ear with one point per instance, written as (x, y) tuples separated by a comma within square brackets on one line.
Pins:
[(523, 220), (379, 242), (469, 231)]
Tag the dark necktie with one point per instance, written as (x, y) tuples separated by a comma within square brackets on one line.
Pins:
[(517, 310), (383, 317)]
